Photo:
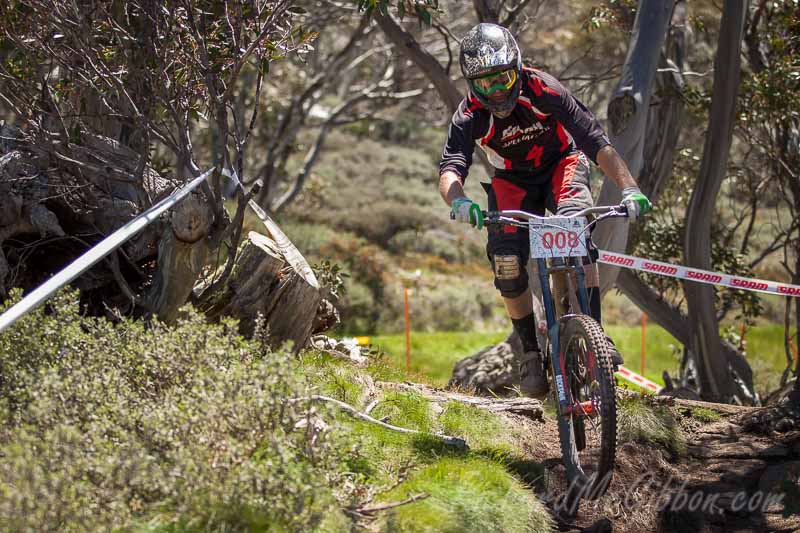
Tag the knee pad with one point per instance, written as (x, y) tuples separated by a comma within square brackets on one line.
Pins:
[(510, 276)]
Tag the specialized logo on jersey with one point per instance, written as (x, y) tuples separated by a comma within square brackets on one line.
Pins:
[(514, 134)]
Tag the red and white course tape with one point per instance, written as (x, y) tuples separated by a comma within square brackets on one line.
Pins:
[(636, 379), (701, 276), (692, 274)]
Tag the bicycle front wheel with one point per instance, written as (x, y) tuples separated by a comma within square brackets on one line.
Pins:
[(588, 426)]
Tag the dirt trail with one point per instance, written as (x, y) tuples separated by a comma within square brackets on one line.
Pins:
[(731, 475)]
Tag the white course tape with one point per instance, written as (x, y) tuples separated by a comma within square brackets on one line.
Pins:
[(637, 379), (95, 254), (701, 276)]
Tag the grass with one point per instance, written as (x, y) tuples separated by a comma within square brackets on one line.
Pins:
[(648, 423), (484, 488), (434, 354), (466, 495), (704, 415), (660, 349), (484, 430), (478, 490)]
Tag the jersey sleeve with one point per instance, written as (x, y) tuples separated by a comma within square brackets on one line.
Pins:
[(460, 144), (576, 118)]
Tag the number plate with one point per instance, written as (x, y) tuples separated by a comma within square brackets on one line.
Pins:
[(558, 237)]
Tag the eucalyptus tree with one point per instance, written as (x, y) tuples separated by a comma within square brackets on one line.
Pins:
[(770, 124)]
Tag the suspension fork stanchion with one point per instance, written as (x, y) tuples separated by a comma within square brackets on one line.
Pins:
[(580, 282), (553, 331)]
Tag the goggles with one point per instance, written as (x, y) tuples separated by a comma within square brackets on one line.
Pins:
[(496, 81)]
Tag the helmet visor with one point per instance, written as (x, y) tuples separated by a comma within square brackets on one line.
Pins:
[(496, 81)]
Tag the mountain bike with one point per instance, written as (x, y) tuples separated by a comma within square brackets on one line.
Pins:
[(577, 355)]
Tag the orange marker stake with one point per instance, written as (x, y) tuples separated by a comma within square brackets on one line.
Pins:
[(644, 336), (742, 334), (408, 329)]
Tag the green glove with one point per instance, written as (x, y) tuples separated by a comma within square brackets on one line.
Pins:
[(466, 211), (636, 202)]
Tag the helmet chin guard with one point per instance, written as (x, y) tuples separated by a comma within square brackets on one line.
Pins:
[(487, 49)]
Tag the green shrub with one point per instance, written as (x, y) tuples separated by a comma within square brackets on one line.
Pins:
[(644, 421), (129, 426), (308, 237), (442, 304), (381, 221), (438, 242)]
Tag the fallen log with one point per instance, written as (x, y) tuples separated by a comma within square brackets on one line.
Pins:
[(520, 405)]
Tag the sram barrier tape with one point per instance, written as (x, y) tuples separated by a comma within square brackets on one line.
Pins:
[(700, 276), (637, 379)]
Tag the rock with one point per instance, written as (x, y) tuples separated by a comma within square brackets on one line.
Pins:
[(738, 450), (744, 473), (343, 349), (774, 452), (493, 369)]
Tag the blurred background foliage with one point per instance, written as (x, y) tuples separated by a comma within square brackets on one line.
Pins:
[(346, 135)]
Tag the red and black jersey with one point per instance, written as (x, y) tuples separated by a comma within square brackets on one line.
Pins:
[(547, 124)]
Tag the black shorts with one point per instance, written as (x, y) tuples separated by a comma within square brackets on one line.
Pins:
[(566, 192)]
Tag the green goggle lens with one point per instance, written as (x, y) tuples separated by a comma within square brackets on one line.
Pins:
[(497, 81)]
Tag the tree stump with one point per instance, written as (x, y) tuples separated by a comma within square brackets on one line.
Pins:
[(182, 254), (265, 282)]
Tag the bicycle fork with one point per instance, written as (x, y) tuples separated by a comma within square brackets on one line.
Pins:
[(562, 269)]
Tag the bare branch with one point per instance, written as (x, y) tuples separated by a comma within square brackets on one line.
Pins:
[(453, 441), (515, 12)]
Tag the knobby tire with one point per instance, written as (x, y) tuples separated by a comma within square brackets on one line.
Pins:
[(591, 479)]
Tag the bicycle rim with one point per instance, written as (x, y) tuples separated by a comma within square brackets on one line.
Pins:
[(589, 432)]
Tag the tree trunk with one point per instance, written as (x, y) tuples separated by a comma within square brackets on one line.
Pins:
[(425, 62), (676, 323), (796, 280), (628, 113), (715, 382)]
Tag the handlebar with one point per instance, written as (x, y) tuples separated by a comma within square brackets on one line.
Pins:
[(608, 211)]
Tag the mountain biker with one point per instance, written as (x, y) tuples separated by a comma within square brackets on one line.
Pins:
[(537, 136)]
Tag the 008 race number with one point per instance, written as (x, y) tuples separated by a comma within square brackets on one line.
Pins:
[(558, 237)]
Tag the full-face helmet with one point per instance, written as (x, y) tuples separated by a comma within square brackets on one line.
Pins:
[(492, 64)]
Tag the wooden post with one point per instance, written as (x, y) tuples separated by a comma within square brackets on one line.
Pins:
[(644, 336), (408, 329)]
